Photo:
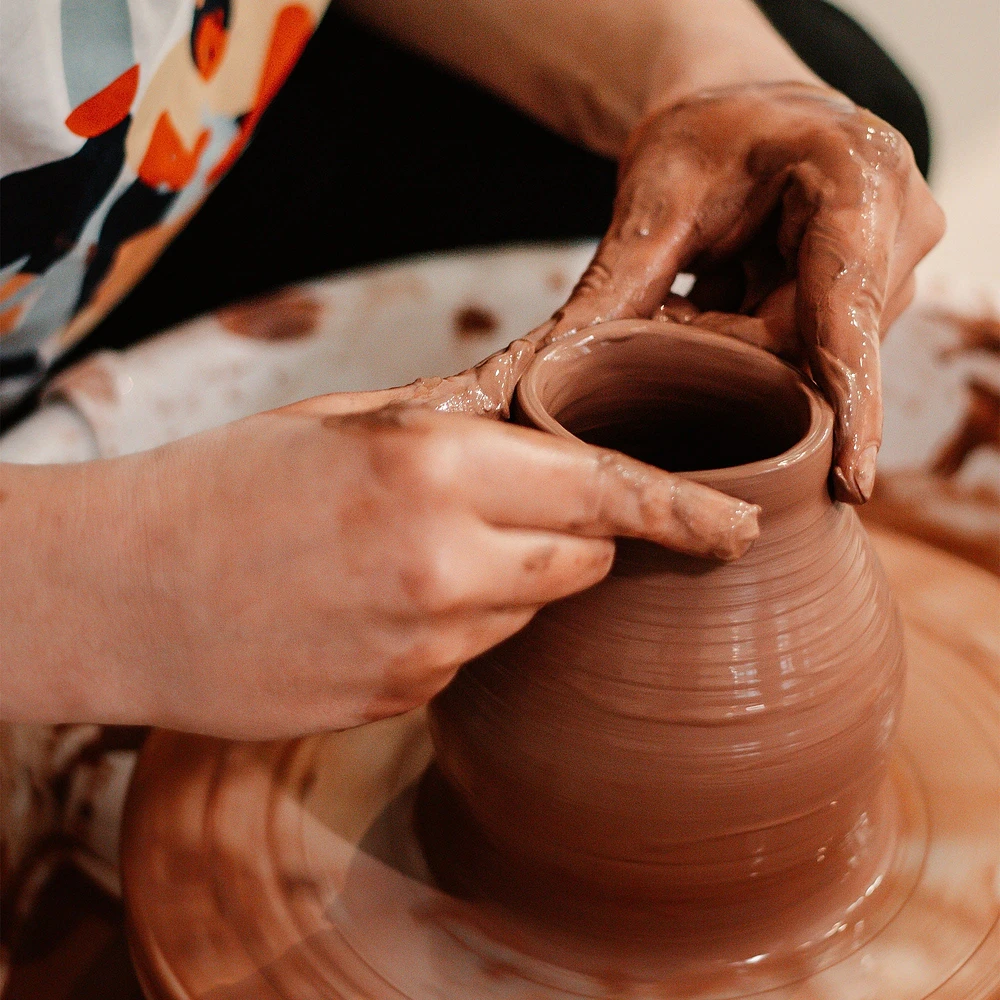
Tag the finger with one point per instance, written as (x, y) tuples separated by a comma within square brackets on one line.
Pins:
[(344, 403), (429, 661), (777, 313), (760, 331), (525, 479), (677, 309), (516, 568), (487, 567), (482, 631), (841, 294), (656, 213), (626, 279), (662, 222), (486, 390), (774, 325)]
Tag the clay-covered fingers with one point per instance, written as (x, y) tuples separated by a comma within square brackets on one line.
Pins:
[(854, 276), (656, 215), (531, 568), (524, 479)]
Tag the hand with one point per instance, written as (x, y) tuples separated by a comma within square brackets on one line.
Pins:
[(327, 571), (793, 207), (295, 571)]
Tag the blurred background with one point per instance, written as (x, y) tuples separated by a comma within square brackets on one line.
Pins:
[(951, 53)]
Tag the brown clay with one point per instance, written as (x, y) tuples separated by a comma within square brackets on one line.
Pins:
[(688, 757)]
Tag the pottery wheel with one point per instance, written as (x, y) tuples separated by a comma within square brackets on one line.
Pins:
[(289, 870)]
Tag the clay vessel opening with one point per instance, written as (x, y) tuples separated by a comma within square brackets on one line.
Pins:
[(682, 399)]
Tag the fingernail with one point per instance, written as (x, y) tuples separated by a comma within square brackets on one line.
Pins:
[(744, 530), (864, 471)]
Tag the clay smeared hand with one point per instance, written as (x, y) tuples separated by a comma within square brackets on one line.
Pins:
[(484, 391), (487, 390), (792, 206), (290, 571), (321, 565)]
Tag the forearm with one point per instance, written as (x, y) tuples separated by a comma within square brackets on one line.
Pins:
[(65, 584), (592, 69)]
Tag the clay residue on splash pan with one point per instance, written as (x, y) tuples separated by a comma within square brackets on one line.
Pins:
[(975, 333), (980, 428), (474, 321), (951, 499), (288, 314)]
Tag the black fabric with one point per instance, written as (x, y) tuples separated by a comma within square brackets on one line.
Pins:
[(837, 49), (44, 209), (370, 153)]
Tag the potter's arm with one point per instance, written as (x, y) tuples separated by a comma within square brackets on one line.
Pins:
[(792, 206), (592, 69)]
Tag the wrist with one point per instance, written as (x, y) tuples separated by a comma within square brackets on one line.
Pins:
[(726, 43), (69, 650)]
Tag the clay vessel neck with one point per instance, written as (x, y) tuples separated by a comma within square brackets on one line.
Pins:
[(693, 402)]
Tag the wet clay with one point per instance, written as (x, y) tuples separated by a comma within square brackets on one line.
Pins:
[(689, 757), (288, 314)]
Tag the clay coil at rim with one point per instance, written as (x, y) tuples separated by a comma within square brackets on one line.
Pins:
[(692, 754)]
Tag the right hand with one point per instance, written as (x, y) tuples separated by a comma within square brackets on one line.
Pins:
[(294, 571)]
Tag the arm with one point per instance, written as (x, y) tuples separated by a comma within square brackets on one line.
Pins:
[(71, 595), (592, 69)]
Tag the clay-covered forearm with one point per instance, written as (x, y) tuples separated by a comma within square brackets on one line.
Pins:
[(65, 581), (592, 69)]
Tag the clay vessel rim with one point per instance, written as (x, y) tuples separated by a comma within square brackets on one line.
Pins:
[(821, 418)]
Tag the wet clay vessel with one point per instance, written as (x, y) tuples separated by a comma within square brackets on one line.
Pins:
[(689, 759)]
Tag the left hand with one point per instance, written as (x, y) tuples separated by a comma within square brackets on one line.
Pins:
[(794, 207)]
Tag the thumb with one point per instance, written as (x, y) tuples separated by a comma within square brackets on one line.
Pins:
[(486, 390)]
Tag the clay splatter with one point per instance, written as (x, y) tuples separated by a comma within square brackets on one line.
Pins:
[(288, 314), (475, 321)]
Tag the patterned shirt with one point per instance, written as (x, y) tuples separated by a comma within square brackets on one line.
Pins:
[(117, 117)]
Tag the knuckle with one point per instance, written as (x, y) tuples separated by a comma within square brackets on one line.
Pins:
[(420, 458), (440, 465), (596, 282), (428, 581)]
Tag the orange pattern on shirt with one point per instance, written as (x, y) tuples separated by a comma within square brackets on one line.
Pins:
[(167, 162), (106, 108), (293, 27), (210, 44)]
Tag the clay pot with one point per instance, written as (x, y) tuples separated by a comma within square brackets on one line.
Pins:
[(689, 745)]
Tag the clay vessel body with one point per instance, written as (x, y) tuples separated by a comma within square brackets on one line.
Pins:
[(690, 748)]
